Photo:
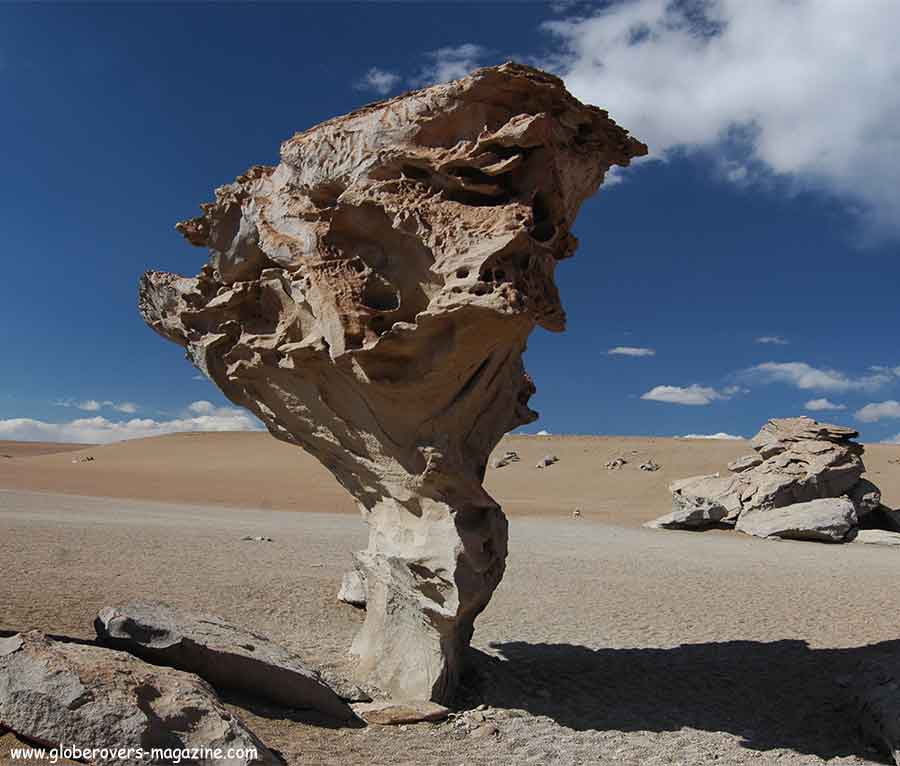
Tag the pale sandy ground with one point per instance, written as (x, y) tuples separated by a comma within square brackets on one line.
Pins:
[(618, 645)]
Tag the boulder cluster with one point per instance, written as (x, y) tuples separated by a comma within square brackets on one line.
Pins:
[(151, 680), (804, 480)]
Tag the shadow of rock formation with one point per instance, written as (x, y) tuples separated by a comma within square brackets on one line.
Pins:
[(781, 694)]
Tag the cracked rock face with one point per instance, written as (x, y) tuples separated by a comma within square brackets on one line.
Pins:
[(222, 654), (797, 461), (370, 298), (90, 697)]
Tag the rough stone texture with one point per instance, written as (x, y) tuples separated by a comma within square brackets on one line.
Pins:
[(689, 518), (353, 589), (781, 434), (716, 498), (389, 713), (224, 655), (510, 456), (826, 520), (877, 537), (370, 298), (89, 697), (744, 463), (797, 460), (866, 497)]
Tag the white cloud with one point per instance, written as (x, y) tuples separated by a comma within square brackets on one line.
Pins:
[(202, 407), (691, 395), (93, 405), (772, 340), (805, 89), (450, 63), (631, 351), (542, 432), (820, 405), (379, 80), (720, 435), (98, 429), (807, 377), (879, 411)]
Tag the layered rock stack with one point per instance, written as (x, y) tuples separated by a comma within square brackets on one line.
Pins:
[(804, 480), (370, 299)]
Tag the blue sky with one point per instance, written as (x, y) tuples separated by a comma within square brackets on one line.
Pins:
[(769, 208)]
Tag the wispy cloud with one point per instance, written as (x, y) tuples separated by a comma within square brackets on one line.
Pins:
[(808, 378), (755, 83), (720, 435), (95, 405), (379, 80), (631, 351), (821, 405), (450, 63), (199, 416), (693, 395), (876, 411), (772, 340)]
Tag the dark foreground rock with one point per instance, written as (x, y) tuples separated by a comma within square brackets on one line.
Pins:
[(225, 655), (90, 697)]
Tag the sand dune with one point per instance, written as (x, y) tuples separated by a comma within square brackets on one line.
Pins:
[(254, 470), (11, 449)]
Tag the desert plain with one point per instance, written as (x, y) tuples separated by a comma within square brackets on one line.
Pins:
[(606, 643)]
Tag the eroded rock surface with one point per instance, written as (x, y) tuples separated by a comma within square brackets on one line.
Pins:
[(223, 654), (353, 589), (797, 461), (370, 298), (827, 520), (90, 697)]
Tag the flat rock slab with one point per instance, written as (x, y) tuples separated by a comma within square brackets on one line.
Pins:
[(388, 713), (689, 518), (225, 655), (827, 520), (877, 537), (90, 697)]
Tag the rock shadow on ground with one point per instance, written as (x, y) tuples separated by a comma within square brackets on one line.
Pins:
[(772, 695)]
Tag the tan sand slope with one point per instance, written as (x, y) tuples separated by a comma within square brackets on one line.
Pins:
[(11, 449), (254, 470)]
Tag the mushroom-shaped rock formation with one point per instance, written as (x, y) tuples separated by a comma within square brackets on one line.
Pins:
[(370, 298)]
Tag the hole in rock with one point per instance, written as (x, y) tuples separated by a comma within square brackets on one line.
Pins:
[(380, 295), (543, 228)]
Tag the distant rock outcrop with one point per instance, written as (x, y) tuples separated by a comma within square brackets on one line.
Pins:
[(776, 492), (370, 299), (90, 697)]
